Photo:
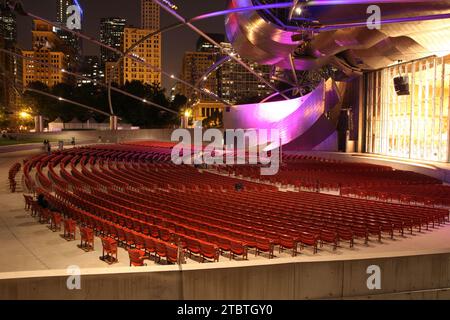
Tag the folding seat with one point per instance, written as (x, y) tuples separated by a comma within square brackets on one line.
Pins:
[(209, 251), (388, 227), (121, 238), (172, 253), (360, 231), (238, 249), (154, 231), (149, 245), (201, 236), (145, 229), (308, 239), (288, 242), (137, 257), (69, 229), (110, 248), (193, 246), (160, 248), (264, 245), (328, 236), (250, 241), (138, 240), (136, 225), (190, 233), (87, 239), (56, 221), (44, 215), (375, 229), (165, 235), (345, 233), (180, 229)]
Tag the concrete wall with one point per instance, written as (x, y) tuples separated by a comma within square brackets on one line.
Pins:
[(403, 277), (85, 136)]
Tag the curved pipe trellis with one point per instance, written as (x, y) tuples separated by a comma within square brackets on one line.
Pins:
[(98, 82), (68, 101)]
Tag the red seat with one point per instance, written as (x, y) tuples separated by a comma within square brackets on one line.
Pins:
[(287, 242), (160, 248), (87, 239), (149, 245), (137, 257), (69, 229), (172, 253), (238, 249), (209, 251), (109, 253)]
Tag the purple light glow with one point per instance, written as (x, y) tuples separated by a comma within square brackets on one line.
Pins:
[(291, 117)]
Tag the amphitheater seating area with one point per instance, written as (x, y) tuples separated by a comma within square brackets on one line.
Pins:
[(133, 195)]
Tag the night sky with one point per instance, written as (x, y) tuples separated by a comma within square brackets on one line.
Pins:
[(175, 42)]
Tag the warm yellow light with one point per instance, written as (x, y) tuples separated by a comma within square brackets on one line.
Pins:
[(187, 113), (24, 115)]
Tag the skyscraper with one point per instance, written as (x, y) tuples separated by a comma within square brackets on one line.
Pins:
[(149, 51), (46, 50), (195, 65), (74, 45), (237, 83), (8, 25), (203, 45), (150, 15), (91, 69), (111, 33)]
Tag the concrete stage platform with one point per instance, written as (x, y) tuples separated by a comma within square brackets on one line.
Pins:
[(34, 262)]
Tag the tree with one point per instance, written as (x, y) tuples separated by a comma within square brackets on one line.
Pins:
[(215, 120), (138, 113)]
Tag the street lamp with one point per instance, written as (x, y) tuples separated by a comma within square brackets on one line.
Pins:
[(186, 115)]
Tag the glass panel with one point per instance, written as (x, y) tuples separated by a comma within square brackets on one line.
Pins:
[(410, 126)]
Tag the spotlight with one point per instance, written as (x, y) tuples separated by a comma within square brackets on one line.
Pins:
[(298, 11)]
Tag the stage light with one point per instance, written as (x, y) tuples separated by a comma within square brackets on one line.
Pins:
[(298, 10)]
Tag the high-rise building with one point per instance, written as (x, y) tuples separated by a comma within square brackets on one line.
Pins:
[(74, 44), (47, 49), (203, 45), (236, 83), (150, 15), (8, 25), (112, 73), (111, 33), (195, 65), (91, 69), (149, 52), (232, 82)]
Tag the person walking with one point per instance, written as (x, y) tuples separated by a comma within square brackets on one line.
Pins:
[(49, 148)]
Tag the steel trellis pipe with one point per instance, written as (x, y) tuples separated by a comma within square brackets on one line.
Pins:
[(203, 34), (86, 78)]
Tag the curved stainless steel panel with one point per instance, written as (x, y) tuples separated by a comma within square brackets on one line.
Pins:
[(267, 43), (293, 118)]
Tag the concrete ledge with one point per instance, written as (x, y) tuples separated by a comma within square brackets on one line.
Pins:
[(402, 277)]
